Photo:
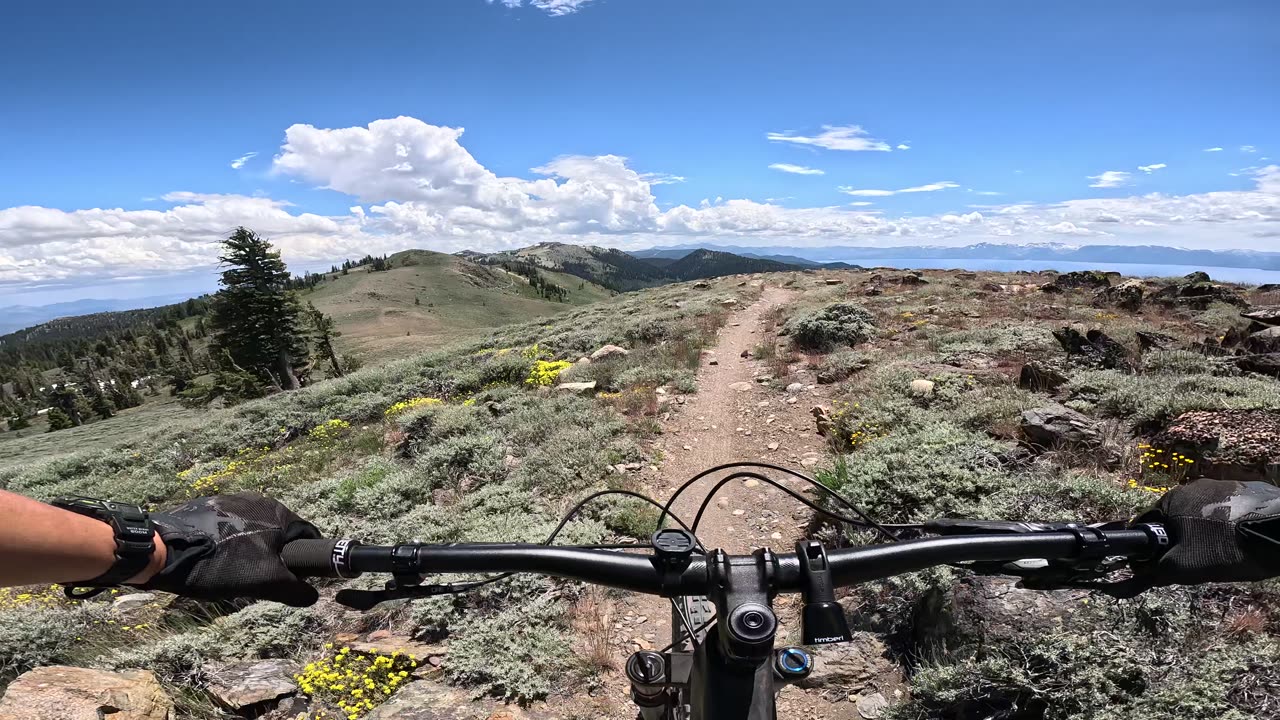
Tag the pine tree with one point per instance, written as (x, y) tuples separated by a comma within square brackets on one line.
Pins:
[(91, 389), (70, 403), (255, 317), (58, 420), (322, 333)]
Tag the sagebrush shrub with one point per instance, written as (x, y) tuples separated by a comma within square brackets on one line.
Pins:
[(836, 324)]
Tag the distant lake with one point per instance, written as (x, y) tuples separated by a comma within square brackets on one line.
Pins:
[(1250, 276)]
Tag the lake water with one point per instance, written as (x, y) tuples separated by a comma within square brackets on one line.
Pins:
[(1250, 276)]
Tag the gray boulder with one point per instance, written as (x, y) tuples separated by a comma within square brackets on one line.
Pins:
[(609, 351), (1055, 425), (864, 663), (244, 685), (576, 387)]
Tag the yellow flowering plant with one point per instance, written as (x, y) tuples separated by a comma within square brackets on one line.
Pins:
[(410, 404), (14, 598), (328, 429), (545, 372), (1160, 467), (355, 682)]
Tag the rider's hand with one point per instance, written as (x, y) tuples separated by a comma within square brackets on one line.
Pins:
[(1202, 519), (228, 546)]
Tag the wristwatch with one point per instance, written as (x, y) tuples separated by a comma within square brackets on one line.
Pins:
[(134, 535)]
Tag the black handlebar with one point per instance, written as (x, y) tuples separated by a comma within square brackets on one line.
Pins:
[(645, 574)]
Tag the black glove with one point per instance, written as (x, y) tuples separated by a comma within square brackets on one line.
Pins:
[(1221, 531), (228, 546)]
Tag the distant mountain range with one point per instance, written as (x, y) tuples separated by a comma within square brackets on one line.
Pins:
[(16, 317), (1046, 252), (622, 271)]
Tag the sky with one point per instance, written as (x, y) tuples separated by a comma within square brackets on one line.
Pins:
[(134, 135)]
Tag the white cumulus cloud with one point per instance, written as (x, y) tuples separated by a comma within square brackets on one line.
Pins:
[(1213, 149), (413, 184), (1148, 169), (903, 146), (240, 161), (1109, 179), (835, 137), (796, 169)]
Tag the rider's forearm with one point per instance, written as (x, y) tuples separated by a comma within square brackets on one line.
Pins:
[(40, 543)]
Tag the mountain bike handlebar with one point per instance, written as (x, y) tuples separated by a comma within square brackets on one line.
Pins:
[(648, 574)]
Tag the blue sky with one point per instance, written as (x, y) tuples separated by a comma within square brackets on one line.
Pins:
[(628, 123)]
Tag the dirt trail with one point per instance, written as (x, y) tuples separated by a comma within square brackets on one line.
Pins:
[(734, 417)]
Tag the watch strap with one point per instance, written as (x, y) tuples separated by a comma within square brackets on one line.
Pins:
[(134, 536)]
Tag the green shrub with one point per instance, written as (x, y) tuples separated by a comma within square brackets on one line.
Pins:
[(632, 517), (1155, 399), (837, 324), (1062, 677), (261, 630), (1220, 317), (1180, 362), (841, 364), (34, 636), (1002, 339), (518, 654)]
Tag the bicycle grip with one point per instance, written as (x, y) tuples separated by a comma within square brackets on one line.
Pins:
[(312, 557)]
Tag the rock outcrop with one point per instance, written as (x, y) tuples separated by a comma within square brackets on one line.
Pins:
[(1093, 349), (58, 692), (1080, 279), (1128, 295)]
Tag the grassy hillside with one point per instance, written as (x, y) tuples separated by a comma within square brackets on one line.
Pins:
[(457, 444), (429, 299)]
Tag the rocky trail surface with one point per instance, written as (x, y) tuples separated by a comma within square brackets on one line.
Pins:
[(742, 413)]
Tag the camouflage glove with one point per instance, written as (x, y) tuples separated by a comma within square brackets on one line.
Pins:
[(228, 546), (1221, 531)]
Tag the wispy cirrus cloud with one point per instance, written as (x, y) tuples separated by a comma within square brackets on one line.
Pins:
[(240, 161), (662, 178), (931, 187), (796, 169), (851, 138), (1213, 149), (554, 8), (1248, 149), (1110, 179), (1148, 169)]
